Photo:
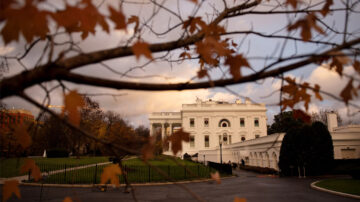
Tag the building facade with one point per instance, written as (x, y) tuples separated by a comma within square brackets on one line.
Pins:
[(212, 122), (15, 117)]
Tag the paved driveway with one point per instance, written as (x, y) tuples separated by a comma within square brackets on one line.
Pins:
[(248, 185)]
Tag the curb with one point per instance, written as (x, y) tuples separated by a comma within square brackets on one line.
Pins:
[(121, 185), (313, 186)]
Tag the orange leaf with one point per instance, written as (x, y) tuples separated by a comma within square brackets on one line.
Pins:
[(306, 24), (338, 60), (148, 149), (22, 136), (134, 19), (348, 92), (141, 48), (202, 73), (356, 66), (325, 10), (316, 91), (73, 103), (216, 177), (237, 199), (118, 18), (235, 63), (176, 140), (194, 1), (293, 3), (299, 114), (30, 166), (185, 54), (194, 23), (67, 199), (27, 20), (111, 173), (10, 187)]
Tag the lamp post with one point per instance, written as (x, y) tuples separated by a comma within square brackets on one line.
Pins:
[(204, 159), (220, 152)]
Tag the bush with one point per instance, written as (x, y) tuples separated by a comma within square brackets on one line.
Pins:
[(259, 169), (223, 168), (57, 153)]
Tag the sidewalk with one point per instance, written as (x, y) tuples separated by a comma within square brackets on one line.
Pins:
[(25, 177)]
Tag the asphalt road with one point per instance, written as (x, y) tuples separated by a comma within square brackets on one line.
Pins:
[(247, 185)]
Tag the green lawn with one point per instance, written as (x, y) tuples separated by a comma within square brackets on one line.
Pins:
[(138, 172), (11, 167), (349, 186)]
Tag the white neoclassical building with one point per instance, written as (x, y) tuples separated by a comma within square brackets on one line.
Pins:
[(240, 129)]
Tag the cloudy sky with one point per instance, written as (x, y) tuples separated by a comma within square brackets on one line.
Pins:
[(135, 106)]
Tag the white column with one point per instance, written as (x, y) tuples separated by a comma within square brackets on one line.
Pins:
[(151, 129), (171, 129), (162, 130)]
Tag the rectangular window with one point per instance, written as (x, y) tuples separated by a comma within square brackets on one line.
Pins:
[(242, 122), (257, 136), (207, 142), (206, 122), (192, 122), (229, 139), (192, 141), (256, 122)]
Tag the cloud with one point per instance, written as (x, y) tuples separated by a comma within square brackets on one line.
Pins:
[(6, 50)]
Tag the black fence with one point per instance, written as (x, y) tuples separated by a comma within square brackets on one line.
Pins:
[(90, 174)]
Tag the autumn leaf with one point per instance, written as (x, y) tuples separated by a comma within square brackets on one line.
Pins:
[(216, 176), (202, 73), (184, 55), (111, 173), (30, 166), (176, 140), (292, 3), (118, 18), (338, 60), (348, 92), (237, 199), (299, 114), (194, 23), (356, 66), (134, 19), (27, 20), (317, 92), (194, 1), (141, 48), (306, 24), (67, 199), (325, 10), (22, 136), (235, 63), (210, 49), (10, 187), (73, 103)]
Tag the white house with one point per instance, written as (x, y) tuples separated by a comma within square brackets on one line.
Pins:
[(222, 131)]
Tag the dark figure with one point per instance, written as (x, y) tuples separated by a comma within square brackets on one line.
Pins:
[(242, 162)]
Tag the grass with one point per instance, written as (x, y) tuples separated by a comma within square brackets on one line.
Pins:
[(349, 186), (11, 167), (138, 172)]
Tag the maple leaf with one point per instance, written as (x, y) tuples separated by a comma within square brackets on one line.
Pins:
[(118, 18), (67, 199), (73, 103), (176, 140), (111, 173), (306, 24), (325, 10), (210, 49), (348, 92), (356, 66), (317, 92), (299, 114), (216, 176), (292, 3), (141, 48), (235, 63), (338, 60), (30, 166), (237, 199), (185, 54), (194, 23), (10, 187), (134, 19), (22, 136), (27, 20), (202, 73)]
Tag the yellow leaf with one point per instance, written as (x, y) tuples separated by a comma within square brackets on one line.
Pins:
[(216, 177), (73, 103), (10, 187), (111, 173), (30, 165), (67, 199), (141, 48)]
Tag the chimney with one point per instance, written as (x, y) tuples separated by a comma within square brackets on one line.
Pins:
[(331, 121)]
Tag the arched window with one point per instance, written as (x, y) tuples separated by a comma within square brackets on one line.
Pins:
[(224, 123)]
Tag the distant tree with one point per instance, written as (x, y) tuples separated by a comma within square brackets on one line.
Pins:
[(307, 149), (142, 131), (322, 116), (283, 122)]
